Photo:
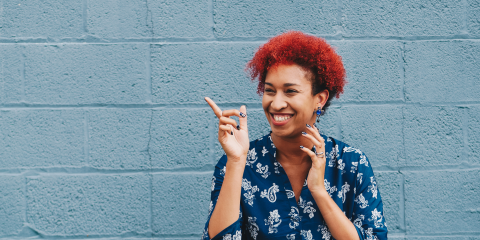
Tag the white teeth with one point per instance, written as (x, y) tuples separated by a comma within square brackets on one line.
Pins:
[(281, 118)]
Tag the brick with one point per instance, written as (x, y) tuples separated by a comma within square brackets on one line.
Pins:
[(473, 134), (118, 19), (433, 136), (41, 19), (269, 18), (41, 138), (450, 198), (85, 74), (12, 204), (181, 19), (373, 70), (181, 138), (180, 202), (11, 73), (89, 204), (389, 186), (473, 16), (186, 73), (444, 71), (402, 18), (118, 138), (377, 131)]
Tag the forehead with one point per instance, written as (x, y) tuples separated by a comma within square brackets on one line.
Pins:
[(287, 75)]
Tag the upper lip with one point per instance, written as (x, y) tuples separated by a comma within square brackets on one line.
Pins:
[(281, 113)]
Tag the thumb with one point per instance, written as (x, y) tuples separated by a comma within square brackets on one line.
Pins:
[(243, 120)]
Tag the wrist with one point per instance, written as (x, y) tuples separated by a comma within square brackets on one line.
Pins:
[(320, 193)]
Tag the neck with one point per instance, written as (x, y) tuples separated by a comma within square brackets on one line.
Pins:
[(288, 149)]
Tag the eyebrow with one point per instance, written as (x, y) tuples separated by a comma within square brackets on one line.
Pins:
[(285, 85)]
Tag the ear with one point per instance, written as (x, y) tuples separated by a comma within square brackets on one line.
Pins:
[(321, 98)]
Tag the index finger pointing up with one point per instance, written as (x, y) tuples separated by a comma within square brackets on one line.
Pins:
[(215, 108)]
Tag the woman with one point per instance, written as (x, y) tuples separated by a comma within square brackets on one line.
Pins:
[(294, 183)]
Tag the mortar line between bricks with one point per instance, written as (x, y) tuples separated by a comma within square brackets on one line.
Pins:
[(212, 17), (251, 105), (24, 57), (85, 6), (403, 220), (85, 138), (339, 18), (148, 65), (258, 40), (465, 17), (465, 126), (403, 70), (32, 172)]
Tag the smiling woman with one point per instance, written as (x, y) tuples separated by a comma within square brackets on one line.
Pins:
[(293, 183)]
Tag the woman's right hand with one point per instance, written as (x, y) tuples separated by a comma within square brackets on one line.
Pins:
[(234, 141)]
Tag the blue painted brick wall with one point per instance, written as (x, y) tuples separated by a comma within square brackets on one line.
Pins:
[(104, 132)]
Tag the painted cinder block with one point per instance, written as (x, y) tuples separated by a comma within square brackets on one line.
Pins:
[(41, 138), (377, 131), (180, 19), (402, 18), (86, 73), (118, 138), (442, 201), (181, 138), (373, 70), (80, 205), (118, 19), (473, 134), (11, 73), (41, 19), (330, 122), (389, 186), (12, 204), (473, 15), (186, 73), (180, 202), (442, 71), (269, 18), (433, 136)]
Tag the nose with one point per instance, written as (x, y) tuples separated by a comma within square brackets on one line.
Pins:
[(278, 103)]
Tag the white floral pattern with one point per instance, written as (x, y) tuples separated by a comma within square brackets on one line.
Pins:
[(269, 198), (263, 170), (273, 221)]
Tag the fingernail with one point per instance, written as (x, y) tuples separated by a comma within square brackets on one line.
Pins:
[(242, 115), (309, 126), (238, 127), (231, 132), (304, 133), (301, 147)]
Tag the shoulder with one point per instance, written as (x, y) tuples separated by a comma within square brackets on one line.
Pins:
[(349, 155)]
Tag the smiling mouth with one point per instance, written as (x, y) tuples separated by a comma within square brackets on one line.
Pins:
[(280, 119)]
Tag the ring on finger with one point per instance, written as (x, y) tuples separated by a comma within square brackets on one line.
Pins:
[(320, 154)]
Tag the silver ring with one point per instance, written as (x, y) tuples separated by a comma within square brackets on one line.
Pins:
[(320, 154)]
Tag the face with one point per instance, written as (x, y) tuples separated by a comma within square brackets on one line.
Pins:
[(288, 101)]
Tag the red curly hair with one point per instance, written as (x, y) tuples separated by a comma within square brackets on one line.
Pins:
[(310, 52)]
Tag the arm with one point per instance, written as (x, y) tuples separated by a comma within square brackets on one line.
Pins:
[(234, 140), (227, 208), (339, 225)]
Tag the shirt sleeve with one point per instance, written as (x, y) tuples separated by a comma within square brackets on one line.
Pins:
[(368, 207), (234, 231)]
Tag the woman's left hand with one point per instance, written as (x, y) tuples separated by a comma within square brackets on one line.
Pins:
[(316, 175)]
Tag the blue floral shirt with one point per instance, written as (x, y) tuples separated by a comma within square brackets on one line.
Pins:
[(268, 209)]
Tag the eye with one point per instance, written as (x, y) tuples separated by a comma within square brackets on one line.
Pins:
[(268, 90), (291, 91)]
